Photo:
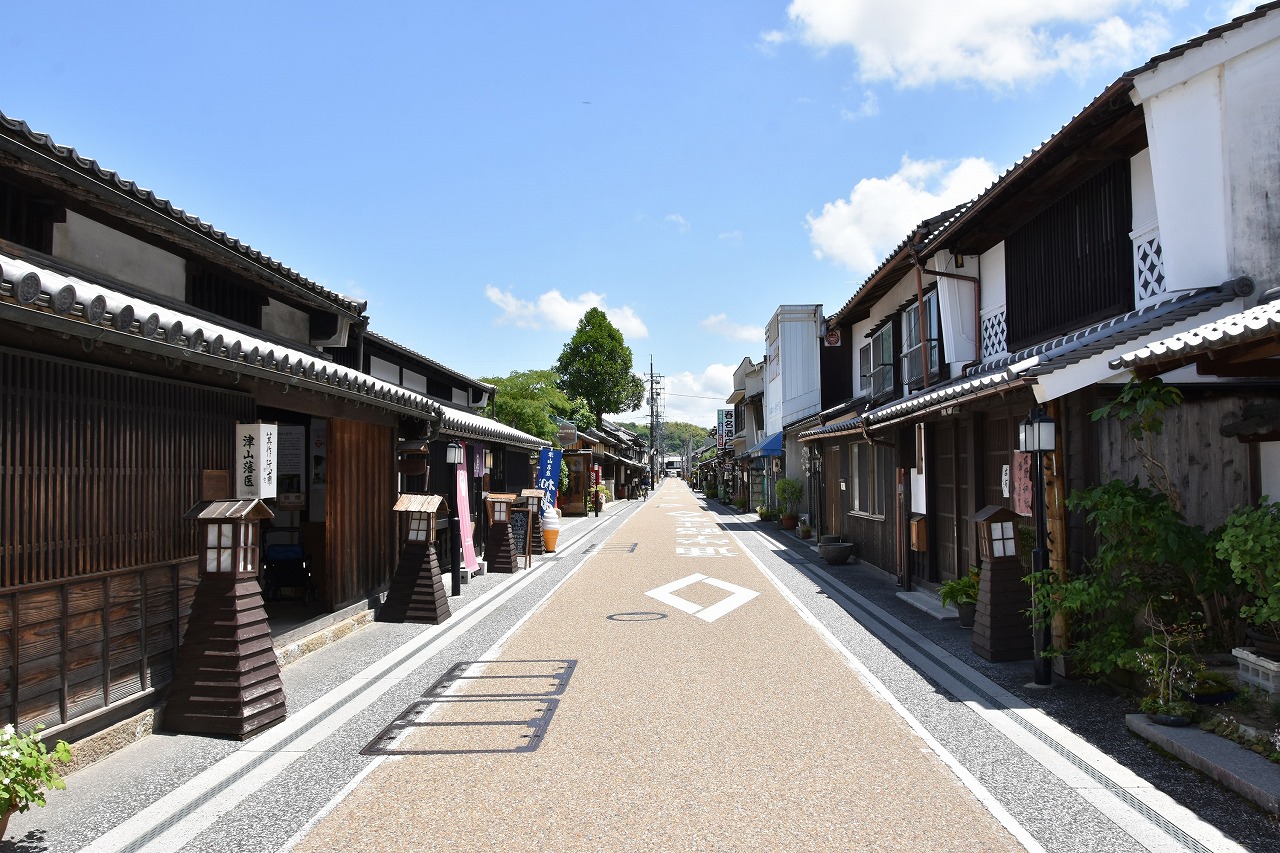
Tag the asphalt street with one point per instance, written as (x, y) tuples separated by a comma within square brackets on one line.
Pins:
[(674, 677)]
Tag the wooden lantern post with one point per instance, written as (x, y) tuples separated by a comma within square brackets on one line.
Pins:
[(499, 549), (417, 591), (533, 504), (227, 680), (1001, 628)]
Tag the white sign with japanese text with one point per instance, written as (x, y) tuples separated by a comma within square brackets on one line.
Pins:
[(254, 468)]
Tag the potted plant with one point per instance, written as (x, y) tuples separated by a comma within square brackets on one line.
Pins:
[(805, 531), (1167, 666), (962, 593), (835, 551), (790, 492), (1250, 543), (27, 769)]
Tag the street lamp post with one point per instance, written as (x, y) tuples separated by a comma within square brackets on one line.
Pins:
[(454, 455), (1037, 435)]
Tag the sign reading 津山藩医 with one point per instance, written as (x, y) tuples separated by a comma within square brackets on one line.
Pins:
[(254, 468)]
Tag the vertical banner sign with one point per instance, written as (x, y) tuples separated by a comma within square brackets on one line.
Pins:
[(729, 428), (319, 454), (548, 476), (291, 467), (255, 461), (720, 429), (464, 517)]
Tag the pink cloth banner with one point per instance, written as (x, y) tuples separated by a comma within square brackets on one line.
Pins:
[(464, 518)]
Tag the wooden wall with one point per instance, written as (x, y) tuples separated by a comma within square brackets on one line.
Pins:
[(97, 566), (361, 541), (1213, 473)]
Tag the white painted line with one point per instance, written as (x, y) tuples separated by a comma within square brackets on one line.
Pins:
[(231, 777), (664, 594), (988, 800), (741, 595), (939, 665)]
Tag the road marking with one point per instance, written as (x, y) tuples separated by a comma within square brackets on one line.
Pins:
[(738, 596)]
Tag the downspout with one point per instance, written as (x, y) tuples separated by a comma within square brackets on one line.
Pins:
[(917, 240)]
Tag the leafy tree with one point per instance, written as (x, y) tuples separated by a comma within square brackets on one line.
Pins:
[(595, 365), (525, 400)]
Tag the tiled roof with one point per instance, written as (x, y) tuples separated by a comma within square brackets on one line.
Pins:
[(1217, 32), (1257, 323), (470, 425), (385, 341), (29, 293), (1042, 359), (18, 132)]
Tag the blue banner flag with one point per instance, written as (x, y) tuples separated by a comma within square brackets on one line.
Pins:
[(548, 476)]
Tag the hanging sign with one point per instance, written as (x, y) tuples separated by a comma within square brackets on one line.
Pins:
[(291, 467), (548, 477), (464, 521), (254, 469)]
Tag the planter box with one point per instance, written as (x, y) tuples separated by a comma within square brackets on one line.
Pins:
[(1261, 672)]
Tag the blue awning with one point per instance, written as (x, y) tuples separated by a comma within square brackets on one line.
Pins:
[(771, 446)]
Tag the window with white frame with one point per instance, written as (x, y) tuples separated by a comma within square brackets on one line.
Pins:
[(882, 361), (920, 345), (864, 369), (871, 469)]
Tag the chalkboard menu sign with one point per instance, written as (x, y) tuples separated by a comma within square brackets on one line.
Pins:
[(520, 530)]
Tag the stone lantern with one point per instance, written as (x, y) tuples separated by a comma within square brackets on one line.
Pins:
[(1001, 628), (500, 550), (227, 681), (417, 591)]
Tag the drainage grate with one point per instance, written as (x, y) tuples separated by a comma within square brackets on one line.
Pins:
[(479, 707), (612, 548)]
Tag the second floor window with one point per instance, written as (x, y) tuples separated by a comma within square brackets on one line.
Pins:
[(882, 361), (920, 344)]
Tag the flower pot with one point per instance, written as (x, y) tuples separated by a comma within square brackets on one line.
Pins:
[(968, 612), (4, 823), (789, 522), (836, 553), (1169, 719), (1267, 644)]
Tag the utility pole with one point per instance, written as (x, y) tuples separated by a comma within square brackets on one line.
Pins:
[(656, 461)]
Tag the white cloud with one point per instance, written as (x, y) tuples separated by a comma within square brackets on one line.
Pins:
[(734, 236), (694, 398), (554, 310), (859, 231), (682, 225), (869, 107), (719, 324), (993, 43)]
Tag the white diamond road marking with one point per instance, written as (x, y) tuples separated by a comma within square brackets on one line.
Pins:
[(666, 594)]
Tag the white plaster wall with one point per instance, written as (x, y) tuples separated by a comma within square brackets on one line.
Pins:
[(1252, 106), (93, 245), (1144, 192), (1185, 131), (957, 311), (1269, 468), (992, 271), (384, 370), (801, 392), (280, 319)]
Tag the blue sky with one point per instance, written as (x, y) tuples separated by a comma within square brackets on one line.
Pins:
[(484, 172)]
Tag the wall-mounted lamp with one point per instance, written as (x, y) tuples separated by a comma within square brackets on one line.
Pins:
[(454, 454)]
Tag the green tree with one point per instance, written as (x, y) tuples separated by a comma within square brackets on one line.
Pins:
[(526, 399), (595, 365)]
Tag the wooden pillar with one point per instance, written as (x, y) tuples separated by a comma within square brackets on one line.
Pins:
[(1055, 476)]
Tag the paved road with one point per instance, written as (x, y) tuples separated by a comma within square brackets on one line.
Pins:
[(732, 695), (711, 715)]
